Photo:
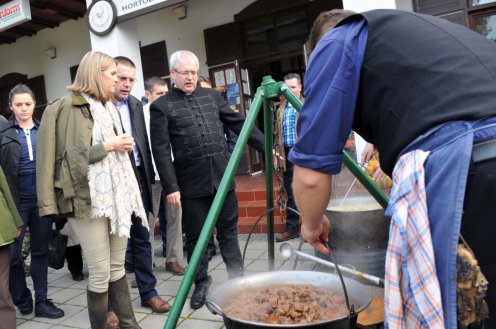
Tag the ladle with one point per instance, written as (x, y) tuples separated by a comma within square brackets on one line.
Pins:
[(287, 250)]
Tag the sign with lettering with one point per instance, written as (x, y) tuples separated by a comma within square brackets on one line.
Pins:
[(14, 13), (127, 9)]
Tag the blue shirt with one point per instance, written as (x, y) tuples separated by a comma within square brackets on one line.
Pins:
[(125, 111), (27, 161), (331, 87), (289, 125)]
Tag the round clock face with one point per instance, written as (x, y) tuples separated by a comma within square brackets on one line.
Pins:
[(101, 17)]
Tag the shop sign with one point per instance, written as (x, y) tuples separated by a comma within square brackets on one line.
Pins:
[(127, 9), (14, 13)]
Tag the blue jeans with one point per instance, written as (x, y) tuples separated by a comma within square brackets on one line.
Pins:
[(40, 228), (139, 247), (291, 217)]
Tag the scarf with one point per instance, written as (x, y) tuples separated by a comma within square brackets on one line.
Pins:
[(114, 190)]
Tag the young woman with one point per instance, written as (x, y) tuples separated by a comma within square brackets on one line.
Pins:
[(85, 174), (18, 161)]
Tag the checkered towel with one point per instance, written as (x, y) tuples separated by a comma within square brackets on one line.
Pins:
[(412, 291)]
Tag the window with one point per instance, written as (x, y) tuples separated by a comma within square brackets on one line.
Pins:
[(279, 33), (480, 2), (485, 24)]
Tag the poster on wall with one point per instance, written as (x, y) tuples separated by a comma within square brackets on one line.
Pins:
[(230, 76), (233, 94), (219, 79)]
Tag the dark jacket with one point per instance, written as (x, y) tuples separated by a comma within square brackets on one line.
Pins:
[(10, 219), (10, 155), (141, 139), (406, 89), (193, 125)]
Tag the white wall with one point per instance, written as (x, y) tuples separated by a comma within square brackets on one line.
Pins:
[(364, 5), (188, 33), (72, 41)]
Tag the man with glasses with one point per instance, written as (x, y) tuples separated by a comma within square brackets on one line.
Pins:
[(133, 122), (190, 120)]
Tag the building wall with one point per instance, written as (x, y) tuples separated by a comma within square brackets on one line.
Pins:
[(71, 40), (364, 5), (188, 33)]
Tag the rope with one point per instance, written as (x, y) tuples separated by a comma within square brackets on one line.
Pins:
[(282, 196)]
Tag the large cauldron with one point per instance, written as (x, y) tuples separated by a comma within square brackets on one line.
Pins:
[(218, 298)]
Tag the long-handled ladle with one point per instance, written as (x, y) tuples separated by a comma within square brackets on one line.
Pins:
[(287, 250)]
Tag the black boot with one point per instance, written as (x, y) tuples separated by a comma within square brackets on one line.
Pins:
[(97, 308), (200, 293), (121, 303)]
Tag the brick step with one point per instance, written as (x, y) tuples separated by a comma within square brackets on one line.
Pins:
[(245, 225), (254, 195), (254, 208)]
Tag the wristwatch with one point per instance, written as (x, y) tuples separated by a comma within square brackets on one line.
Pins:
[(102, 15)]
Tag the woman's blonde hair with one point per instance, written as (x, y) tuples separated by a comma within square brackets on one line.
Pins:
[(89, 76)]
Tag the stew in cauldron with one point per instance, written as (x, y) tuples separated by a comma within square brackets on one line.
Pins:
[(287, 304)]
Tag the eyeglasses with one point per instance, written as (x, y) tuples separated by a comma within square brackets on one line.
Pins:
[(187, 73), (124, 79)]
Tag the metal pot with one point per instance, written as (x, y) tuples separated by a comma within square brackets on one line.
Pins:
[(358, 237), (219, 297)]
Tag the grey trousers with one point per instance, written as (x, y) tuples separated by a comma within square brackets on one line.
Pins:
[(174, 225)]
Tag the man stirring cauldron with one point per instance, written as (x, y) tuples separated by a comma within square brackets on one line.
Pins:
[(423, 90)]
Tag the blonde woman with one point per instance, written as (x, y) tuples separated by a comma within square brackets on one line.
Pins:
[(85, 174)]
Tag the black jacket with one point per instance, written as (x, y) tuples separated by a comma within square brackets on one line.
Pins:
[(10, 155), (193, 125), (141, 139)]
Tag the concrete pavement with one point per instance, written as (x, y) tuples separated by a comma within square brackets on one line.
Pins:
[(71, 295)]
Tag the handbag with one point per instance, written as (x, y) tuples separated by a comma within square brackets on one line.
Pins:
[(57, 247)]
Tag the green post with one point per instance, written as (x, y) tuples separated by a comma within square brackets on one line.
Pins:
[(208, 227), (271, 90)]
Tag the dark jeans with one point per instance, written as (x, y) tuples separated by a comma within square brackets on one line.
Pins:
[(195, 212), (479, 225), (40, 228), (140, 249), (291, 218)]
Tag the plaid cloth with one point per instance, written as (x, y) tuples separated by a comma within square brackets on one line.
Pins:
[(412, 291), (289, 125)]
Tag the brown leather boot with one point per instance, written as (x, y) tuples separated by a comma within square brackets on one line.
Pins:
[(97, 308), (121, 303)]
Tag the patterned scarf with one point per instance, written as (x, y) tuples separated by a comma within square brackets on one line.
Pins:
[(114, 191)]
